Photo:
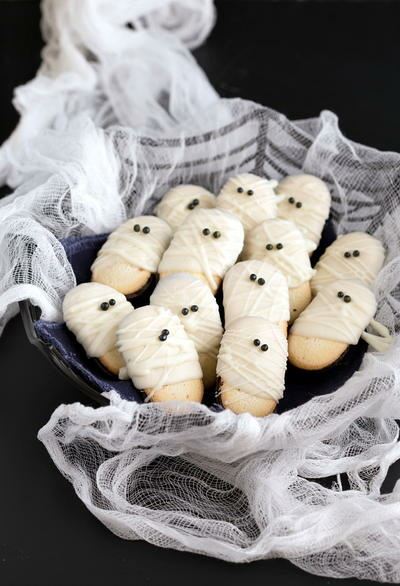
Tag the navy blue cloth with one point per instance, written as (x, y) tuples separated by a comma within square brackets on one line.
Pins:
[(300, 385)]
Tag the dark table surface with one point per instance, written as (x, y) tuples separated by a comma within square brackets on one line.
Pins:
[(299, 58)]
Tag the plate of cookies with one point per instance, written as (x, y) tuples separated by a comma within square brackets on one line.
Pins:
[(246, 300)]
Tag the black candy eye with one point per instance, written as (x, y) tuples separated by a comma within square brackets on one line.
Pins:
[(279, 246), (146, 230), (217, 234), (347, 254), (264, 347), (256, 342), (261, 281), (250, 192), (162, 337), (291, 200), (340, 294), (253, 277), (206, 231), (136, 228), (112, 301), (240, 189), (269, 247), (193, 204), (185, 311), (104, 306), (299, 204), (356, 253), (347, 298), (194, 308)]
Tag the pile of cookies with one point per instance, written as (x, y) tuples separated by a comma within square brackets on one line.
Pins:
[(253, 243)]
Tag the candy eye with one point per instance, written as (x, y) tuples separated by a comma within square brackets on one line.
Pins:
[(136, 228), (291, 200), (217, 234), (240, 190), (193, 204), (356, 253), (347, 298), (340, 294), (299, 204), (250, 192), (256, 342), (279, 246), (185, 311), (146, 230), (264, 347), (104, 306), (269, 247), (347, 254), (206, 231), (164, 335), (253, 277), (261, 281), (112, 301), (194, 308)]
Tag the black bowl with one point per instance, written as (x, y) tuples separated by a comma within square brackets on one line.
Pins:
[(61, 348)]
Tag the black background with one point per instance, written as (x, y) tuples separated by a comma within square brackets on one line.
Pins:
[(298, 58)]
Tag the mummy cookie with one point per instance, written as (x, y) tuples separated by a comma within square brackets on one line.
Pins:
[(306, 202), (180, 201), (192, 301), (160, 358), (256, 288), (336, 317), (251, 366), (281, 243), (131, 254), (352, 256), (93, 312), (251, 198), (206, 245)]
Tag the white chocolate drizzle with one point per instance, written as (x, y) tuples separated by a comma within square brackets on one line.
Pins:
[(329, 317), (251, 209), (136, 249), (334, 265), (94, 328), (177, 203), (245, 367), (306, 202), (150, 362), (182, 291), (193, 252), (292, 259), (245, 297)]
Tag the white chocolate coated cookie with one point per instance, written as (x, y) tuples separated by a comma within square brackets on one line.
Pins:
[(351, 256), (252, 360), (281, 243), (136, 245), (154, 358), (91, 314), (340, 312), (192, 301), (255, 288), (251, 198), (180, 201), (306, 202), (208, 244)]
